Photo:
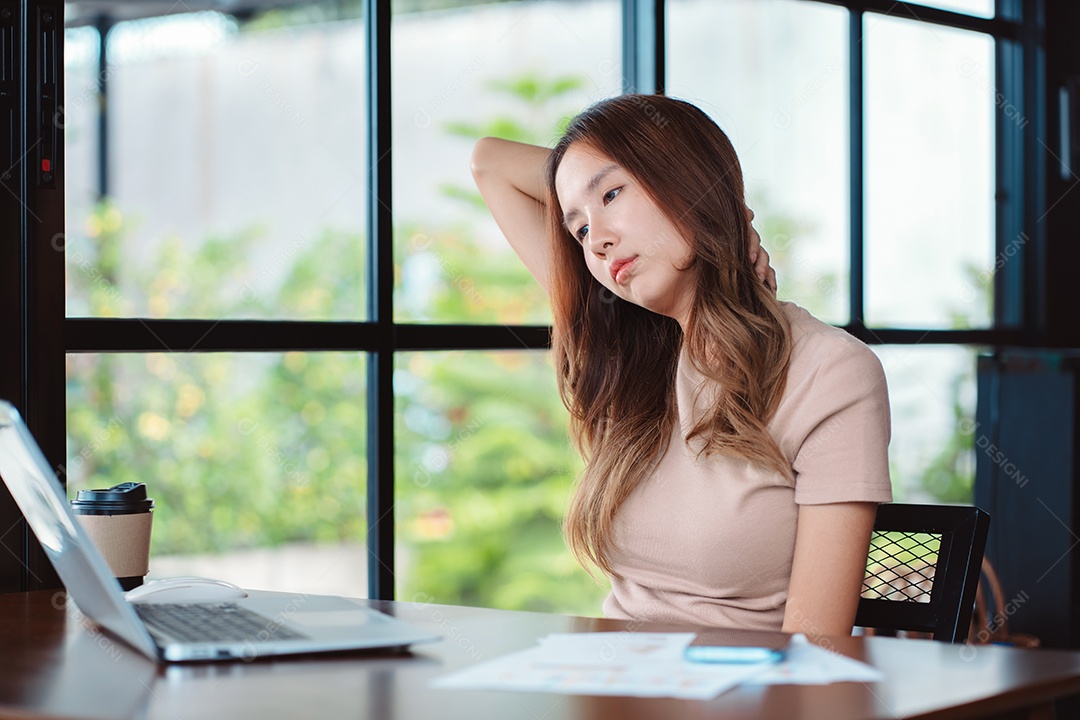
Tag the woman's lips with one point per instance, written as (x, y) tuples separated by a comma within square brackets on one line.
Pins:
[(621, 268)]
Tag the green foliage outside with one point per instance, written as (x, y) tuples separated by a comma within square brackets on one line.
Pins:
[(484, 496), (484, 466), (237, 450), (950, 475)]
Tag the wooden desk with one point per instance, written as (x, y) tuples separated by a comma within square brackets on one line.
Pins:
[(51, 665)]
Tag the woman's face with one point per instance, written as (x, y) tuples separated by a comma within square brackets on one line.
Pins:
[(630, 246)]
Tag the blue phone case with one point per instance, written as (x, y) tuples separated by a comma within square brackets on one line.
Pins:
[(729, 654), (736, 645)]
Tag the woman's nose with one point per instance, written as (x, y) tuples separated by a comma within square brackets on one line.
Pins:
[(601, 238)]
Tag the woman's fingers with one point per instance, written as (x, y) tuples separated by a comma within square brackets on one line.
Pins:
[(755, 245), (765, 272), (761, 264), (759, 256)]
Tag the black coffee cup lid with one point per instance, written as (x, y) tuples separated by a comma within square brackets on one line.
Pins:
[(125, 498)]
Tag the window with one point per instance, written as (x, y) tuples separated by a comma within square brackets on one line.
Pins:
[(484, 469), (784, 89), (254, 208), (508, 69), (930, 181), (254, 460), (266, 219), (347, 338)]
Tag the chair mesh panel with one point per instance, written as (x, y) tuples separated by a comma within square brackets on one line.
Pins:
[(901, 566)]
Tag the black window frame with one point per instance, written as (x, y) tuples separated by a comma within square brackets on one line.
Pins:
[(32, 371)]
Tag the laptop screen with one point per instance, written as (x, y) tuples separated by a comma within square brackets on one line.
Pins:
[(81, 567)]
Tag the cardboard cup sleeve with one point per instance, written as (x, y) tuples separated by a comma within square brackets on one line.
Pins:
[(124, 540)]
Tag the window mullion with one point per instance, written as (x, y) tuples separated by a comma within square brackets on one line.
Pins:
[(643, 46), (856, 295), (380, 364)]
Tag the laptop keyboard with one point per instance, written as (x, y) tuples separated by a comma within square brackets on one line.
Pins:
[(211, 623)]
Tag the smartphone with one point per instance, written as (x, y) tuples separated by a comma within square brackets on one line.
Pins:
[(718, 645)]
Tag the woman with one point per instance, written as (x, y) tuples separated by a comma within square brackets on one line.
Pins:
[(735, 446)]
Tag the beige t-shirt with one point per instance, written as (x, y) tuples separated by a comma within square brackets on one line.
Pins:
[(710, 541)]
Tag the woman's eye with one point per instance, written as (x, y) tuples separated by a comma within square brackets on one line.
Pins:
[(582, 232), (610, 195)]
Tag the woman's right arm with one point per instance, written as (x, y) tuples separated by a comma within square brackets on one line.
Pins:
[(510, 176)]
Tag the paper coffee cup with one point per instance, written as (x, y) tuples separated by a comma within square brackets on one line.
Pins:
[(118, 520)]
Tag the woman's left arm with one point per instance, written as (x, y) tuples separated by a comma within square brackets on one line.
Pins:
[(841, 475), (831, 545)]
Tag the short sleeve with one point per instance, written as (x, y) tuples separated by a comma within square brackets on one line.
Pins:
[(844, 456)]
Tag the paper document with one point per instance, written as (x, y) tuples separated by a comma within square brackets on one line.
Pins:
[(808, 664), (643, 664), (625, 663)]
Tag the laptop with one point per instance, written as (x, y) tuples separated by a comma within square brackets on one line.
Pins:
[(261, 624)]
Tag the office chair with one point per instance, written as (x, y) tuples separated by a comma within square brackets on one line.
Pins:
[(923, 569)]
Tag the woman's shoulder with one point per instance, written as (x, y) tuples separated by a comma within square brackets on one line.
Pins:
[(820, 351)]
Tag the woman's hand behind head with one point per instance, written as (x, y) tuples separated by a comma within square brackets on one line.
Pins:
[(759, 256)]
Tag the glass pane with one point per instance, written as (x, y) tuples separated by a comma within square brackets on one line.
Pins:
[(774, 76), (932, 396), (929, 175), (256, 462), (979, 8), (484, 472), (505, 69), (236, 171), (80, 121)]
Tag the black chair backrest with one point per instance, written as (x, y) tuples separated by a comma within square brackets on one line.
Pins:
[(923, 569)]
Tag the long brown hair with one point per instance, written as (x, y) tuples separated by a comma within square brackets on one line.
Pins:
[(616, 362)]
